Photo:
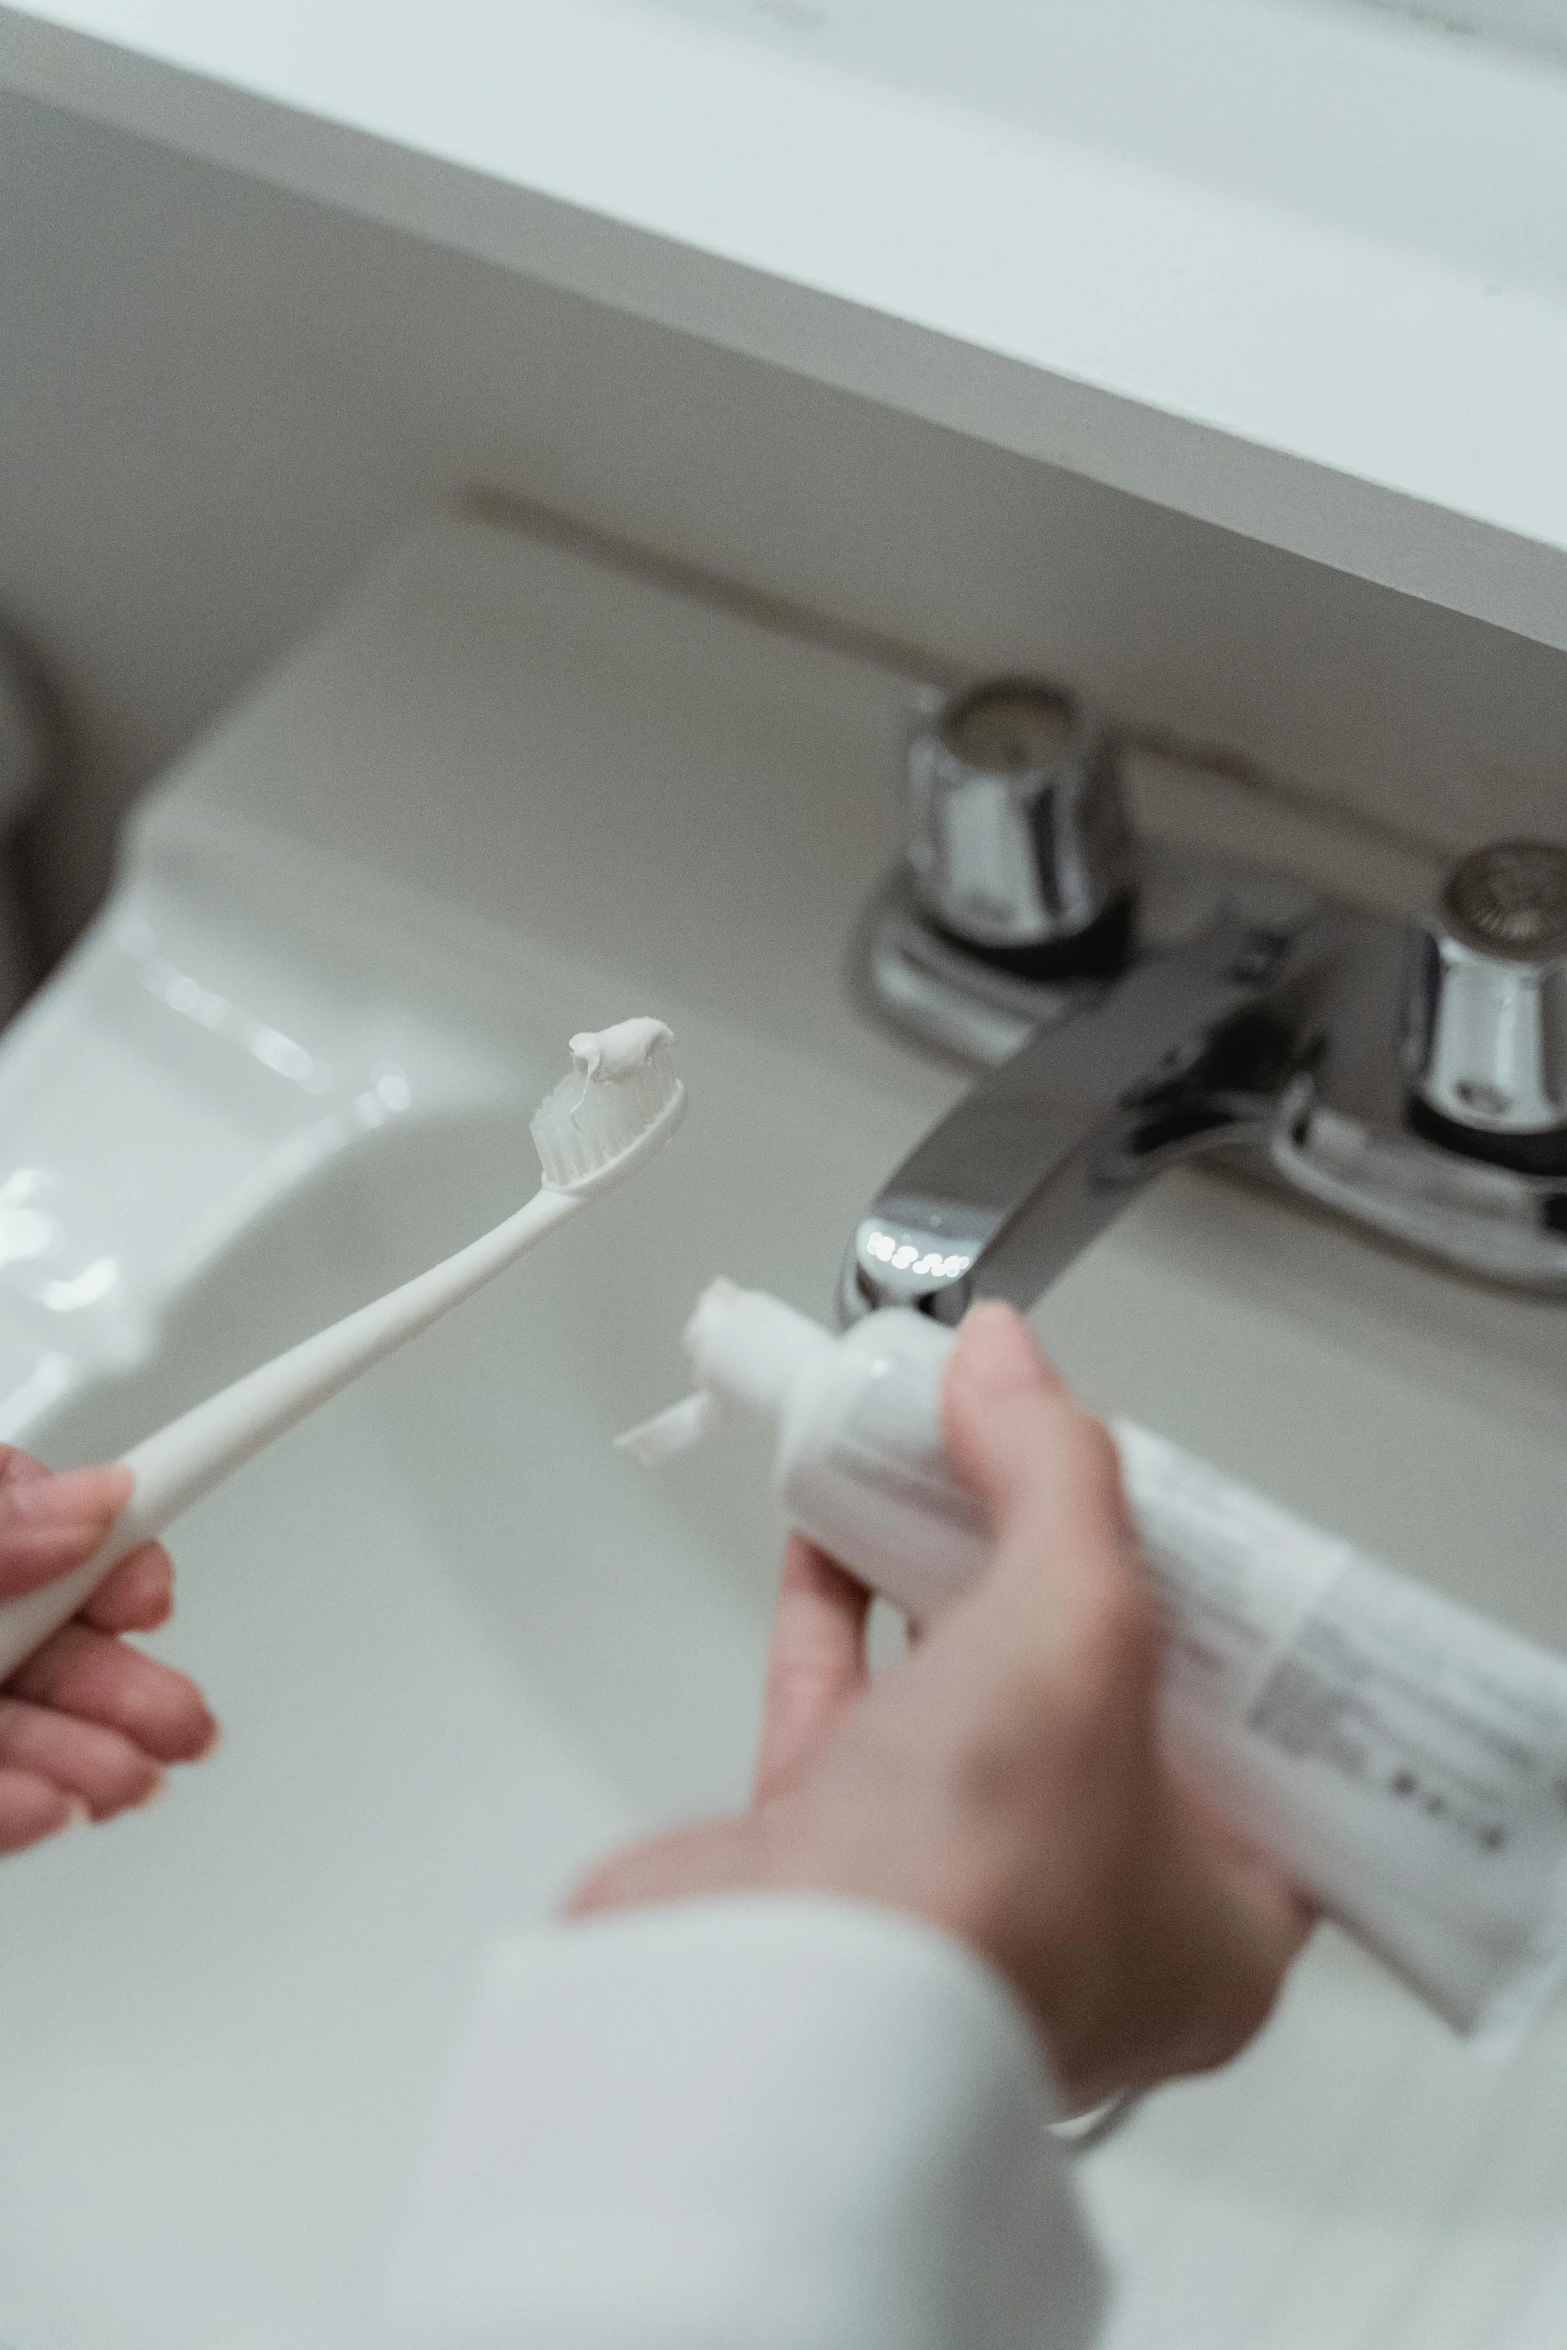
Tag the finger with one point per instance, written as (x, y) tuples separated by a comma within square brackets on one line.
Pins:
[(1225, 1947), (100, 1766), (1043, 1469), (1282, 1914), (998, 1351), (49, 1524), (816, 1667), (18, 1468), (1068, 1608), (85, 1672), (137, 1595), (1283, 1917), (31, 1809), (716, 1856), (1001, 1398)]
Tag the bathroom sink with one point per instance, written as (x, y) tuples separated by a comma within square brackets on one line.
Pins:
[(459, 1645)]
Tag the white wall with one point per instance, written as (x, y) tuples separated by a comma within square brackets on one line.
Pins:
[(215, 398)]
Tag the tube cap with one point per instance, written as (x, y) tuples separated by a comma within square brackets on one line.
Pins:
[(746, 1348), (750, 1348)]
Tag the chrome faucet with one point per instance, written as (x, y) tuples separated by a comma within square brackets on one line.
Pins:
[(1136, 1005)]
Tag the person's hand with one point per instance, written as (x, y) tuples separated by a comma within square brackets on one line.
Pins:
[(87, 1724), (1005, 1780)]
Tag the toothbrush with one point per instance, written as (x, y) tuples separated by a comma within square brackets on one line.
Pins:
[(620, 1103)]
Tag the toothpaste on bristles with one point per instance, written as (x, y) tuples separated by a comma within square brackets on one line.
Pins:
[(620, 1102)]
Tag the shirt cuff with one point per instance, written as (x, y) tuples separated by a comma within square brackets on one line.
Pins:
[(793, 2123)]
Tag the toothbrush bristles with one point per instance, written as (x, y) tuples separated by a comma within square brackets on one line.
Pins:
[(620, 1101)]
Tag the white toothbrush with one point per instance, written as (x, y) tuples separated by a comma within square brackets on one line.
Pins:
[(620, 1103)]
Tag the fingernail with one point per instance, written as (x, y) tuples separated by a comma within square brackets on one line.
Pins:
[(999, 1351), (77, 1497)]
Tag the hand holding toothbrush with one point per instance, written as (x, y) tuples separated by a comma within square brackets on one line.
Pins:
[(87, 1724), (1005, 1782), (602, 1123)]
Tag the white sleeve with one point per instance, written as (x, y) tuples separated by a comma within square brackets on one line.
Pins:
[(767, 2123)]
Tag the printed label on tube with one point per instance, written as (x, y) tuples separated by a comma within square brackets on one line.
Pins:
[(1435, 1741)]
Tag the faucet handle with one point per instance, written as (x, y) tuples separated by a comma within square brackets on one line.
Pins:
[(1020, 845), (1485, 1030)]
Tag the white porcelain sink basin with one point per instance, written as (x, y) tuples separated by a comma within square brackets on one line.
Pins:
[(459, 1646)]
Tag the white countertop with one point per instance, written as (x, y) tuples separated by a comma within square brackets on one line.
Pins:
[(1294, 268)]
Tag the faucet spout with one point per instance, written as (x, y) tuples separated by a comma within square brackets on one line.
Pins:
[(1193, 1050)]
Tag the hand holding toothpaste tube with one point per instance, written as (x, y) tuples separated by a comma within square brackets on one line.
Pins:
[(1006, 1781)]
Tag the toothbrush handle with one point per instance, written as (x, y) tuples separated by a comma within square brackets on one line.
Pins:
[(182, 1462)]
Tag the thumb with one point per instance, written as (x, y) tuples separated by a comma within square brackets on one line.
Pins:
[(1047, 1474), (1003, 1402), (49, 1524)]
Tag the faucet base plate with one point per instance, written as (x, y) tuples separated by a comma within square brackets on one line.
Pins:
[(1342, 1137)]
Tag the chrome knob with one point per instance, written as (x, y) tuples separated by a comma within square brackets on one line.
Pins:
[(1485, 1039), (1019, 839)]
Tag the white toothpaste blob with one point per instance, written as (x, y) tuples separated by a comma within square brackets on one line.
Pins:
[(613, 1054), (619, 1103), (1404, 1759)]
